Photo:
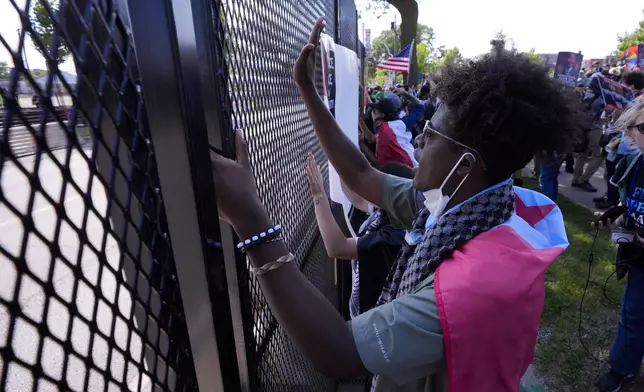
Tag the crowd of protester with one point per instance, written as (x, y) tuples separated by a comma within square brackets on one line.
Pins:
[(449, 256)]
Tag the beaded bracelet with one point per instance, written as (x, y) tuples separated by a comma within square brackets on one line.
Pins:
[(270, 235), (273, 265)]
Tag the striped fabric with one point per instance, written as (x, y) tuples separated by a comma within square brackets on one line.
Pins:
[(399, 62)]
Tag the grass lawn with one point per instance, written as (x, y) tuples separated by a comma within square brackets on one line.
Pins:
[(560, 359), (84, 132)]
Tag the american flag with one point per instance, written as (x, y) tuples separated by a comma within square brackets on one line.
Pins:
[(399, 62)]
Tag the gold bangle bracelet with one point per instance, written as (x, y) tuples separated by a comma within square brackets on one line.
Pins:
[(273, 265)]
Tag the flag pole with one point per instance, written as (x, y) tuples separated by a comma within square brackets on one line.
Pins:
[(411, 57)]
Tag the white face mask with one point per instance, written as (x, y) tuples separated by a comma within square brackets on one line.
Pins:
[(435, 200)]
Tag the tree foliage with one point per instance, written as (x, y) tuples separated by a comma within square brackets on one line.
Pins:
[(633, 38), (534, 56), (389, 40), (424, 56), (429, 57), (387, 43), (501, 41), (44, 30), (36, 73), (408, 10), (451, 56)]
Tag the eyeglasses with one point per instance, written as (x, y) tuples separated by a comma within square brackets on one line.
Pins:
[(638, 127), (428, 130)]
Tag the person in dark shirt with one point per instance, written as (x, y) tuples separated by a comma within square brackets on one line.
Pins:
[(627, 350), (372, 252)]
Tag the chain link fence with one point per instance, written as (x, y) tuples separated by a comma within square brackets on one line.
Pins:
[(89, 299)]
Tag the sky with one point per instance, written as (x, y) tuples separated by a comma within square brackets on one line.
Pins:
[(548, 26), (9, 26)]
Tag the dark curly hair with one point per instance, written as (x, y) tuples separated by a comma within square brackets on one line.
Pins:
[(507, 107)]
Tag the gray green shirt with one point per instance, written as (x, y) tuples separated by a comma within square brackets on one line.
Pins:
[(402, 341)]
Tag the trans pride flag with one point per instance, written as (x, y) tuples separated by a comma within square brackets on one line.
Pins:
[(495, 282)]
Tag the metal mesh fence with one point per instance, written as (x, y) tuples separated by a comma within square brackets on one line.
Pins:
[(259, 43), (88, 294), (348, 25)]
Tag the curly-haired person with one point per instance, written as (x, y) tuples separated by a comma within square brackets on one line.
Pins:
[(461, 306)]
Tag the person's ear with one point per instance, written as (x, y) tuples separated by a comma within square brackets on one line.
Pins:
[(467, 164)]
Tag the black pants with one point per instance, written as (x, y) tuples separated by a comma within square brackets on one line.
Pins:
[(570, 163), (612, 192)]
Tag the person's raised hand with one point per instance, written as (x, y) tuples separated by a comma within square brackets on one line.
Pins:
[(237, 199), (316, 182), (304, 70), (400, 91)]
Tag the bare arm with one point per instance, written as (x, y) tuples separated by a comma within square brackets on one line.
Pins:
[(336, 244), (352, 167), (412, 100), (371, 157), (310, 320), (366, 132)]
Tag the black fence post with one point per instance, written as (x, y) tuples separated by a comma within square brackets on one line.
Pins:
[(169, 63)]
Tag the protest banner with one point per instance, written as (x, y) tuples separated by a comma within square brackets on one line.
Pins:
[(640, 57), (614, 95), (568, 66)]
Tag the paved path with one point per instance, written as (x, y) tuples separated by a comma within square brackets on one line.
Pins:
[(582, 197)]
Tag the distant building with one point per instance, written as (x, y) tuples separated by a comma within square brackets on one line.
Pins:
[(588, 62)]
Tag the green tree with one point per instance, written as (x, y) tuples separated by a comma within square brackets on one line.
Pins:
[(534, 56), (44, 29), (451, 56), (499, 41), (4, 70), (380, 77), (425, 59), (633, 38), (408, 10), (36, 73)]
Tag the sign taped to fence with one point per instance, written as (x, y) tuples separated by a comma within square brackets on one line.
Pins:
[(568, 66), (327, 51), (346, 110), (340, 91)]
